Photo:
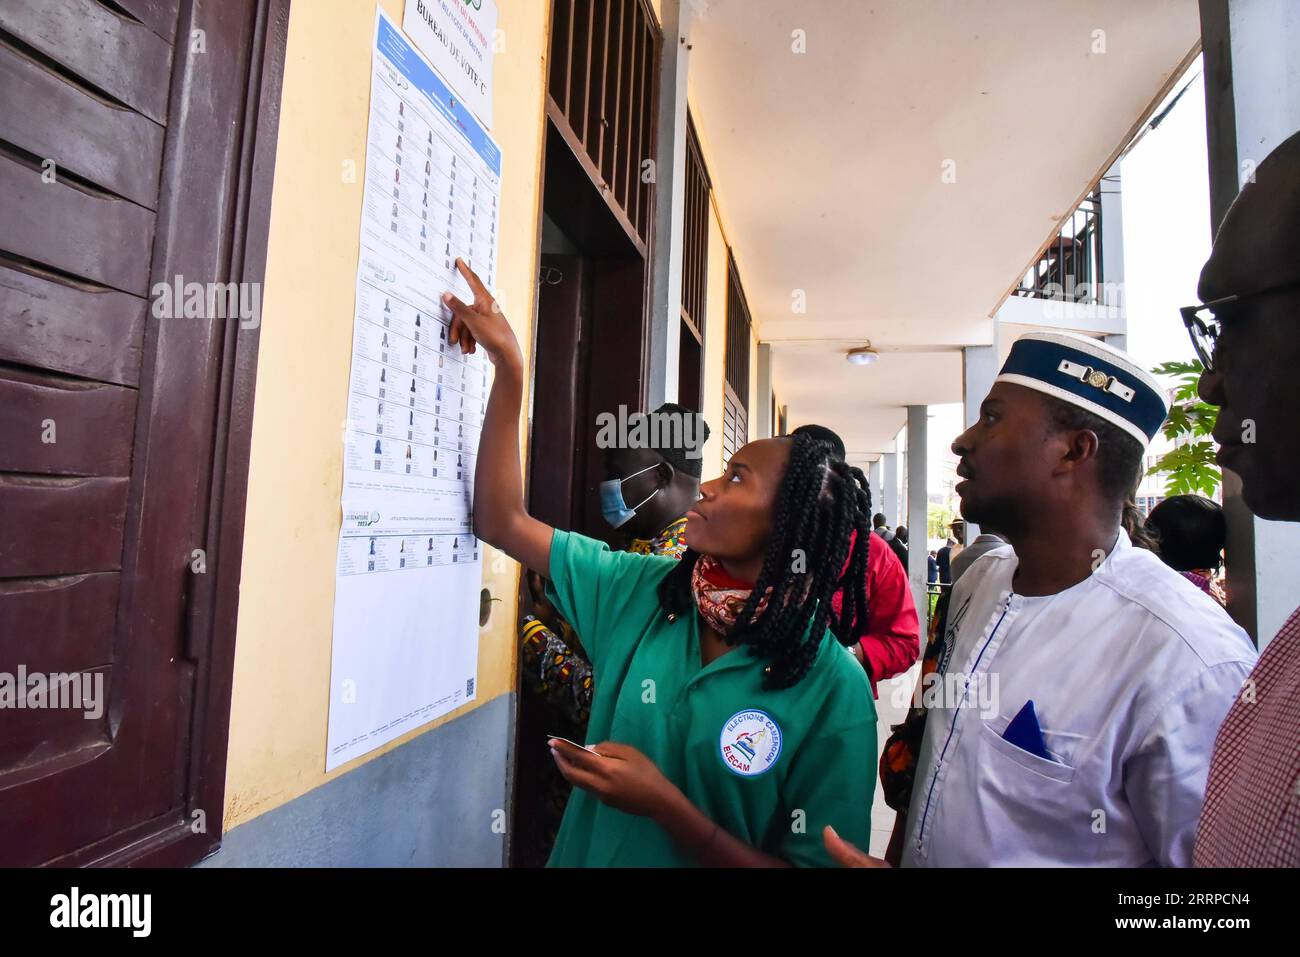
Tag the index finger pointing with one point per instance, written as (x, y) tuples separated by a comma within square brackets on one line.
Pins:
[(475, 284)]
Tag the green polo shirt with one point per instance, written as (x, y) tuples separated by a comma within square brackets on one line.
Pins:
[(771, 767)]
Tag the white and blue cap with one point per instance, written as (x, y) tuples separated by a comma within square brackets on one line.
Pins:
[(1092, 375)]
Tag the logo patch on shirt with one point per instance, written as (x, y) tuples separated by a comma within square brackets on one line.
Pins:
[(950, 636), (750, 743)]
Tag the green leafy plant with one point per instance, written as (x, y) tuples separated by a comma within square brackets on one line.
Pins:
[(1190, 466), (938, 518)]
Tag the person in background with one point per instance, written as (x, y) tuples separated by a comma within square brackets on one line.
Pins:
[(931, 569), (1250, 349), (958, 538), (664, 482), (899, 544), (1134, 523), (1190, 533), (943, 559), (665, 479), (729, 724), (879, 524), (1083, 681), (984, 543), (891, 639)]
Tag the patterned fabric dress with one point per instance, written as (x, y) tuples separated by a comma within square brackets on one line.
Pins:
[(899, 756), (671, 541), (553, 655)]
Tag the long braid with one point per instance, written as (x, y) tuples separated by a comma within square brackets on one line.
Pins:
[(821, 502), (854, 612)]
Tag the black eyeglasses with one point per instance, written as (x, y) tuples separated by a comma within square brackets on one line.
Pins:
[(1205, 329)]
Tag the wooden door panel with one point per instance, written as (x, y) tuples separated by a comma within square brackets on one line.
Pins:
[(60, 426), (116, 54), (68, 326), (158, 15), (160, 172), (97, 528), (74, 269), (37, 736), (88, 793), (73, 616), (558, 377), (60, 526), (74, 228), (97, 140), (616, 350)]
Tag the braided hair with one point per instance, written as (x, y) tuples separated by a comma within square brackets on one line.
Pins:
[(822, 500)]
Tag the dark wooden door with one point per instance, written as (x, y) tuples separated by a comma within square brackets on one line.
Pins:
[(136, 143), (558, 380)]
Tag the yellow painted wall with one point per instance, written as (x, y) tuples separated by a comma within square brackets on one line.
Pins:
[(716, 324), (282, 659), (715, 342), (751, 420)]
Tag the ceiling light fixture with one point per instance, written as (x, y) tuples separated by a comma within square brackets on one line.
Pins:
[(863, 356)]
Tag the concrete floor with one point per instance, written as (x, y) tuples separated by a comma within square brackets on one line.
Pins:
[(891, 705)]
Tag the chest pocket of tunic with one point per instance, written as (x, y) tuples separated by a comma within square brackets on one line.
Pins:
[(1023, 794), (1002, 754)]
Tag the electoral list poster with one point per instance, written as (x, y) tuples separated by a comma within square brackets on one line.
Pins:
[(406, 604)]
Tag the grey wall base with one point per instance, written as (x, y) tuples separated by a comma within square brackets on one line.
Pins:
[(429, 803)]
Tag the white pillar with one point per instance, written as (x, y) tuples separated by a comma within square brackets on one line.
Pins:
[(1112, 238), (1252, 103), (889, 489), (670, 203), (1112, 254), (918, 502), (898, 500), (875, 471), (979, 367)]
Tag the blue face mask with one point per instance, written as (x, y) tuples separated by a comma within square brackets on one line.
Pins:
[(612, 506)]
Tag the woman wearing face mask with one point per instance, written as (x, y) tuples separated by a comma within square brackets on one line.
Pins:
[(708, 753)]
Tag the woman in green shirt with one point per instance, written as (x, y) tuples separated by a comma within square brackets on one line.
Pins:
[(707, 754)]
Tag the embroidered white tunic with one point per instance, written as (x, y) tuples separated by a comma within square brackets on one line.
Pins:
[(1131, 672)]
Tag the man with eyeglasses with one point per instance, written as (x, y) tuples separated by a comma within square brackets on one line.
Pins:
[(1247, 335)]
